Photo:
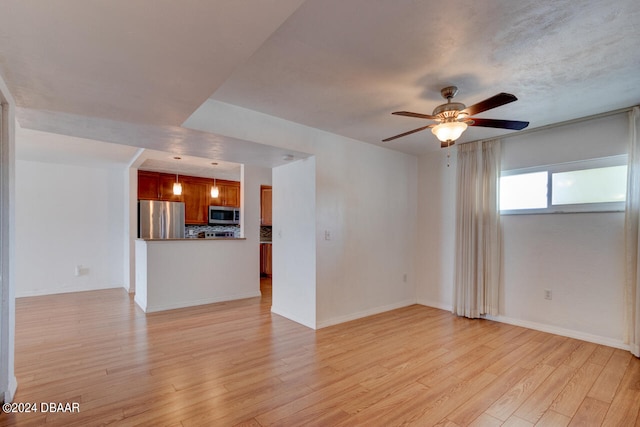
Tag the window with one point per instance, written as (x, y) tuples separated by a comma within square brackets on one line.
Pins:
[(597, 185)]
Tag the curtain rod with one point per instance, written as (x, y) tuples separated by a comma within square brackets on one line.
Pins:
[(554, 125)]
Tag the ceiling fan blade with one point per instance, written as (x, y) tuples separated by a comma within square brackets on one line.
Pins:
[(407, 133), (489, 103), (501, 124), (418, 115)]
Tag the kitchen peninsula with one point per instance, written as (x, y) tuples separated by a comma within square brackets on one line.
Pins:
[(174, 273), (177, 273)]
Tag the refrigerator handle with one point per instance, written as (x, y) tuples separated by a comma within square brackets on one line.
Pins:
[(163, 223)]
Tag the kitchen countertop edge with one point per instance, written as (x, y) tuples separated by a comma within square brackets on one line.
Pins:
[(190, 239)]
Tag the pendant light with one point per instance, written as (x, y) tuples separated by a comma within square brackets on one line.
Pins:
[(215, 191), (177, 187)]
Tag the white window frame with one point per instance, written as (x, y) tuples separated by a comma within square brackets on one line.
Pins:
[(567, 167)]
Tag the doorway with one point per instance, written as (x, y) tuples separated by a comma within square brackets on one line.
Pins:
[(265, 239)]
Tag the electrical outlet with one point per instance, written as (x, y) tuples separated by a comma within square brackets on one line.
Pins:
[(547, 294), (327, 235), (404, 277)]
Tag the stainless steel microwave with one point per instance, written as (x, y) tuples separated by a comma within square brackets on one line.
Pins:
[(224, 215)]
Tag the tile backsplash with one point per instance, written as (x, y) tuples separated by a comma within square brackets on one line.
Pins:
[(265, 233), (193, 230)]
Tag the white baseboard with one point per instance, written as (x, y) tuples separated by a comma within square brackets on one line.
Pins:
[(65, 290), (370, 312), (294, 318), (140, 303), (596, 339), (183, 304), (10, 393), (635, 350), (434, 304)]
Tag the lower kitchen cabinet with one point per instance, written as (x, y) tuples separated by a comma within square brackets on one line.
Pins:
[(265, 259), (265, 205)]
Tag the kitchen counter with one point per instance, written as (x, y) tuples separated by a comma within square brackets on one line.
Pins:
[(197, 239), (176, 273)]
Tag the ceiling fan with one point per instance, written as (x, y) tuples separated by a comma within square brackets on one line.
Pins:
[(454, 117)]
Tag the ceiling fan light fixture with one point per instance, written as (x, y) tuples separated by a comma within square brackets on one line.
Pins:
[(449, 131)]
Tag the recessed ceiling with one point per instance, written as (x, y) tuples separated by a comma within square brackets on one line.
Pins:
[(132, 72), (188, 165), (53, 148)]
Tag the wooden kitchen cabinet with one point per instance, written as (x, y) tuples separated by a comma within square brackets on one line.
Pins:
[(232, 195), (216, 201), (265, 205), (265, 259), (166, 182), (148, 185), (196, 193), (229, 193)]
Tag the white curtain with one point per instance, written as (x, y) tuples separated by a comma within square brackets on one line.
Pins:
[(478, 240), (632, 236)]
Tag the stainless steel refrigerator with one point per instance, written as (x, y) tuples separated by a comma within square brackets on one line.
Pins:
[(160, 220)]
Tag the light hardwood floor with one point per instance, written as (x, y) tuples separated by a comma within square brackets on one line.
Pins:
[(237, 364)]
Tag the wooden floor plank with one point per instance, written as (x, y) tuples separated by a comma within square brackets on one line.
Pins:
[(540, 400), (510, 401), (590, 412), (606, 385), (574, 393), (237, 364), (625, 407), (553, 419), (514, 421)]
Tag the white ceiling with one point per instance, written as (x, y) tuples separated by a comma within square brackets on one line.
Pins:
[(132, 72)]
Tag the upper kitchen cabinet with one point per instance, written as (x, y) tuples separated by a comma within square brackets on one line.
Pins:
[(229, 194), (148, 185), (196, 193), (156, 186), (265, 205), (166, 188), (232, 194)]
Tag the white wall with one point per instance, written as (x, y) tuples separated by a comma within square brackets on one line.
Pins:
[(580, 257), (68, 216), (183, 273), (294, 242), (366, 201), (8, 383), (365, 198), (130, 226), (436, 196)]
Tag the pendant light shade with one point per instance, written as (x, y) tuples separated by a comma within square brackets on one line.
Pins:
[(177, 187), (215, 192)]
